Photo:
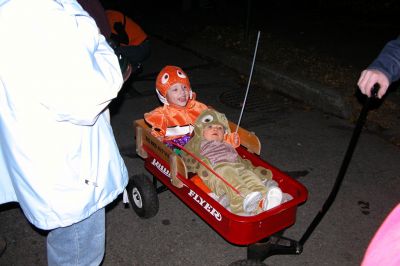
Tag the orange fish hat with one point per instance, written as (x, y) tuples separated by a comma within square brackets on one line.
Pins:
[(169, 76)]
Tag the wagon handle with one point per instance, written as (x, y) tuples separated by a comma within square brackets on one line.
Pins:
[(205, 165), (347, 158)]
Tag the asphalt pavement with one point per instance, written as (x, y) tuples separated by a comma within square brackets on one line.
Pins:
[(307, 143)]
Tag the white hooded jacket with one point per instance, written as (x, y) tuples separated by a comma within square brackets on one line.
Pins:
[(58, 155)]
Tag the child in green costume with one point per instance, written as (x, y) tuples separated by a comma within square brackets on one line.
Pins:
[(253, 190)]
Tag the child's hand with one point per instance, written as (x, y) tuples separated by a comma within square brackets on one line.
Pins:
[(233, 139), (236, 139)]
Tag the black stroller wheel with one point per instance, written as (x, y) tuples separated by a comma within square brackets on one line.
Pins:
[(142, 196)]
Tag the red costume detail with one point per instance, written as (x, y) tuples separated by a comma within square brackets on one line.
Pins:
[(169, 76)]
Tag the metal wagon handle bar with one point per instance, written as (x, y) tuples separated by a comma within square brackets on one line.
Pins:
[(345, 163)]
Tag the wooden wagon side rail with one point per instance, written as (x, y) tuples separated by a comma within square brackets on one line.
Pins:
[(144, 138)]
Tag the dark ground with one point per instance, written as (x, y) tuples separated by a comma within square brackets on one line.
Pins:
[(323, 42)]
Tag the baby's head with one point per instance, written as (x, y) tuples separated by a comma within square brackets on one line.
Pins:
[(214, 132), (173, 86), (208, 121), (211, 125)]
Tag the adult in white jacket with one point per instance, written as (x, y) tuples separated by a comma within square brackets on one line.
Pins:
[(58, 155)]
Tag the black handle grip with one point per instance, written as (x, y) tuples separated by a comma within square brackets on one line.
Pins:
[(375, 90)]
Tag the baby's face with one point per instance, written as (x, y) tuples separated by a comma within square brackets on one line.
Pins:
[(178, 95), (214, 132)]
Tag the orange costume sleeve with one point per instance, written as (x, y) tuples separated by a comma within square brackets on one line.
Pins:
[(156, 119), (168, 117), (230, 138)]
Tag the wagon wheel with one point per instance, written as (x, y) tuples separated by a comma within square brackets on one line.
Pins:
[(248, 263), (142, 196)]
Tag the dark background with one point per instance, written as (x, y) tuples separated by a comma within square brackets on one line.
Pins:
[(324, 42), (236, 11), (321, 24)]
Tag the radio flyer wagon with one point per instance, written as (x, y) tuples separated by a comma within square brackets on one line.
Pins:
[(169, 169), (262, 233)]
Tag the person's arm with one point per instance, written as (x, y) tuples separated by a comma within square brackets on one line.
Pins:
[(81, 74), (97, 12), (384, 70)]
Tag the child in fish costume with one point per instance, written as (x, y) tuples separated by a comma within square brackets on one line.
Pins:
[(174, 120), (249, 189)]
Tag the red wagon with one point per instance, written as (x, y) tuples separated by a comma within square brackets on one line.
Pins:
[(168, 168)]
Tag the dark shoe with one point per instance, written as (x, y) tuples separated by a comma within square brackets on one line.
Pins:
[(3, 245)]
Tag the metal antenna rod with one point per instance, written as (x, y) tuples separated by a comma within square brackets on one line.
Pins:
[(248, 83)]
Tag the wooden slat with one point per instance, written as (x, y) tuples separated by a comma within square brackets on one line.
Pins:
[(247, 139), (145, 138)]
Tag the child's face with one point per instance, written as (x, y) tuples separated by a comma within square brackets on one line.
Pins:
[(214, 132), (178, 95)]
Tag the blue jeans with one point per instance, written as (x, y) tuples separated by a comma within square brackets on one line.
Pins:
[(81, 243)]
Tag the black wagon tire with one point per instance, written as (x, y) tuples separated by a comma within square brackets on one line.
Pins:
[(142, 196)]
